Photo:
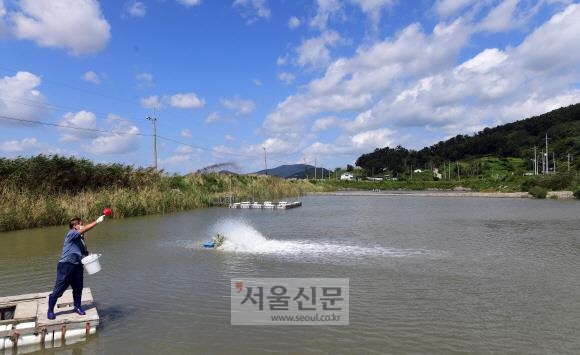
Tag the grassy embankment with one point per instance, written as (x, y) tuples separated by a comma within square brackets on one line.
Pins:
[(49, 190), (22, 208), (487, 174)]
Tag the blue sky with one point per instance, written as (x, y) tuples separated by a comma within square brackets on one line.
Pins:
[(301, 81)]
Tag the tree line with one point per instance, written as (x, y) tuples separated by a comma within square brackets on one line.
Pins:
[(517, 139)]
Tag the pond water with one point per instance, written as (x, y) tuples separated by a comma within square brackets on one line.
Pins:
[(436, 275)]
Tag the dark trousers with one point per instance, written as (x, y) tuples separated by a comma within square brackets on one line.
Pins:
[(67, 274)]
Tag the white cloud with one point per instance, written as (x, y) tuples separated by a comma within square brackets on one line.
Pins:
[(326, 9), (126, 141), (289, 114), (286, 78), (334, 10), (21, 99), (280, 61), (82, 123), (501, 18), (184, 149), (145, 80), (3, 27), (221, 151), (447, 8), (189, 100), (369, 140), (493, 87), (77, 25), (185, 133), (178, 159), (28, 145), (325, 123), (229, 137), (314, 52), (318, 149), (151, 102), (136, 9), (294, 22), (212, 118), (18, 146), (253, 10), (533, 106), (189, 3), (274, 145), (353, 84), (92, 77), (483, 62), (257, 82), (373, 8), (239, 106), (554, 46)]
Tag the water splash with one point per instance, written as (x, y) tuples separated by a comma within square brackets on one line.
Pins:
[(241, 237)]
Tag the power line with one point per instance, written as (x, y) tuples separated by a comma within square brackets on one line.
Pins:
[(32, 122), (70, 127)]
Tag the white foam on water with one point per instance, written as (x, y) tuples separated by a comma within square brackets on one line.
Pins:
[(241, 237)]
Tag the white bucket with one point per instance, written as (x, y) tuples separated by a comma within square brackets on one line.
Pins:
[(91, 263)]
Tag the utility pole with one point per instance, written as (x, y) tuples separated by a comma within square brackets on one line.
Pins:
[(458, 176), (230, 178), (154, 120), (535, 162), (314, 168), (568, 162), (265, 161), (547, 161), (449, 169), (554, 161)]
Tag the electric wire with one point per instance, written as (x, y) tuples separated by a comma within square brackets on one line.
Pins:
[(44, 123)]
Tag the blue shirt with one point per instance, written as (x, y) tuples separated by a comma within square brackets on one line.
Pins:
[(73, 248)]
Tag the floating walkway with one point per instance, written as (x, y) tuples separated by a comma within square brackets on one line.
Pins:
[(282, 205), (25, 328)]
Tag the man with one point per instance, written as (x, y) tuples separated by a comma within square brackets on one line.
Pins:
[(70, 269)]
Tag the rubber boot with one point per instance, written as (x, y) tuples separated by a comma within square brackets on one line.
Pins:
[(51, 303), (77, 301)]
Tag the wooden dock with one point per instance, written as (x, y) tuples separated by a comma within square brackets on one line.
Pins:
[(282, 205), (23, 321)]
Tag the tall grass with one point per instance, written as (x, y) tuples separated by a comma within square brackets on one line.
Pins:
[(22, 208)]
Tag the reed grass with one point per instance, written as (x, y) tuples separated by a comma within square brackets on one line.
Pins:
[(22, 208)]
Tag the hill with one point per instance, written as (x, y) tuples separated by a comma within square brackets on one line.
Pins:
[(513, 140), (297, 171)]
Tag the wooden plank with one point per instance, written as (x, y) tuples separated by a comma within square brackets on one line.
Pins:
[(25, 310), (30, 316), (25, 297), (65, 314), (34, 306)]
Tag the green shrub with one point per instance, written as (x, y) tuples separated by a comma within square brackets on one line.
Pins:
[(538, 192), (577, 192)]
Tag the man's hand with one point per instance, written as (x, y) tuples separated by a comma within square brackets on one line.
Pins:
[(100, 219)]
